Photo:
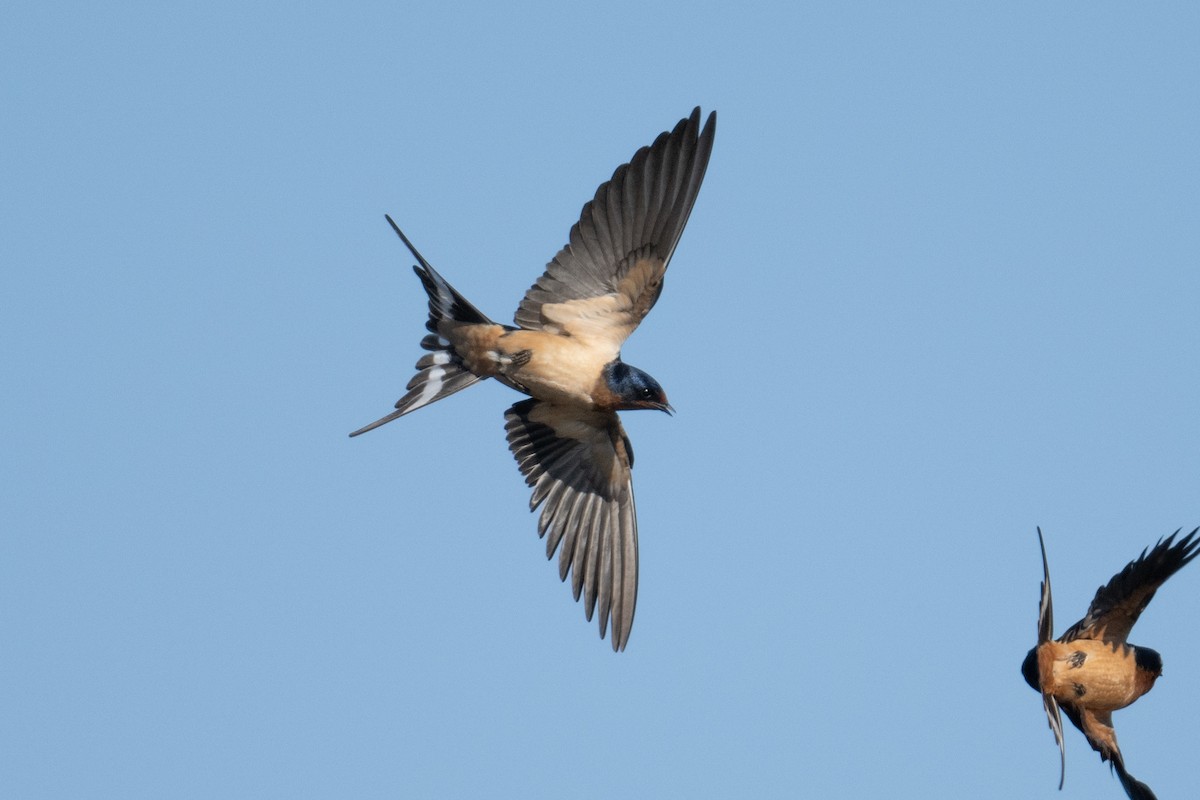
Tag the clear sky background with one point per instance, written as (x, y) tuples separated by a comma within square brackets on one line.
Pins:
[(940, 287)]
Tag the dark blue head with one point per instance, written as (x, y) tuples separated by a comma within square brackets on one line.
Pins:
[(1029, 668), (634, 389), (1148, 660)]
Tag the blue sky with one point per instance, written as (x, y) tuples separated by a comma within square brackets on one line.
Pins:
[(940, 287)]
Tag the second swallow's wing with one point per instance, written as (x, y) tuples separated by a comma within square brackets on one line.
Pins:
[(1045, 634), (609, 276), (1050, 705), (1046, 608), (1118, 604), (1097, 727), (578, 463)]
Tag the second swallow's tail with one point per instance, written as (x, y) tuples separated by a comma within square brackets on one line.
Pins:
[(440, 372), (1132, 786)]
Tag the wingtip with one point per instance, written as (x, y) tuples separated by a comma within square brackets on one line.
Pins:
[(1190, 543), (691, 123), (619, 637), (1046, 604)]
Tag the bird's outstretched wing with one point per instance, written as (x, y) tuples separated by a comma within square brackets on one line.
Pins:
[(1097, 727), (1045, 634), (1050, 706), (1046, 607), (578, 463), (1118, 604), (601, 285)]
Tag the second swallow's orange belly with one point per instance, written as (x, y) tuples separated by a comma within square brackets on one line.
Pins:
[(1091, 674)]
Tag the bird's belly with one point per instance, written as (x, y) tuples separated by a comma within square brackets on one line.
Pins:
[(1096, 675), (559, 369)]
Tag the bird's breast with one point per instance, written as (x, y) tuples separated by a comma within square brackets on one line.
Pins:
[(1103, 676), (550, 367)]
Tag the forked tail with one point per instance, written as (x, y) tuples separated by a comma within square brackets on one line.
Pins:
[(440, 372)]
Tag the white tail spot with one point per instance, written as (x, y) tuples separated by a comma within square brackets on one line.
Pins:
[(433, 385)]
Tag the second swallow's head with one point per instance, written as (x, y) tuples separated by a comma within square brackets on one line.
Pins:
[(1148, 660), (634, 389), (1029, 669)]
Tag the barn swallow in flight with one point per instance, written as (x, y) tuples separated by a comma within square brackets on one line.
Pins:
[(565, 353), (1091, 670)]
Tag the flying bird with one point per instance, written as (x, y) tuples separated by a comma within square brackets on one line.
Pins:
[(565, 354), (1091, 670)]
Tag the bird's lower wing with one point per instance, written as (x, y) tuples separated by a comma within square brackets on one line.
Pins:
[(578, 463), (1051, 707)]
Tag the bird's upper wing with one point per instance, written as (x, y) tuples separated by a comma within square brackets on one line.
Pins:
[(1046, 607), (1045, 633), (1118, 604), (578, 463), (1097, 727), (609, 276)]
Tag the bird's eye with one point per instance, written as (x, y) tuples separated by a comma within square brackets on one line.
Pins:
[(648, 394)]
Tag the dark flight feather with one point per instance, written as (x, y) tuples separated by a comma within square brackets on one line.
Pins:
[(576, 461), (1120, 602), (642, 209)]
